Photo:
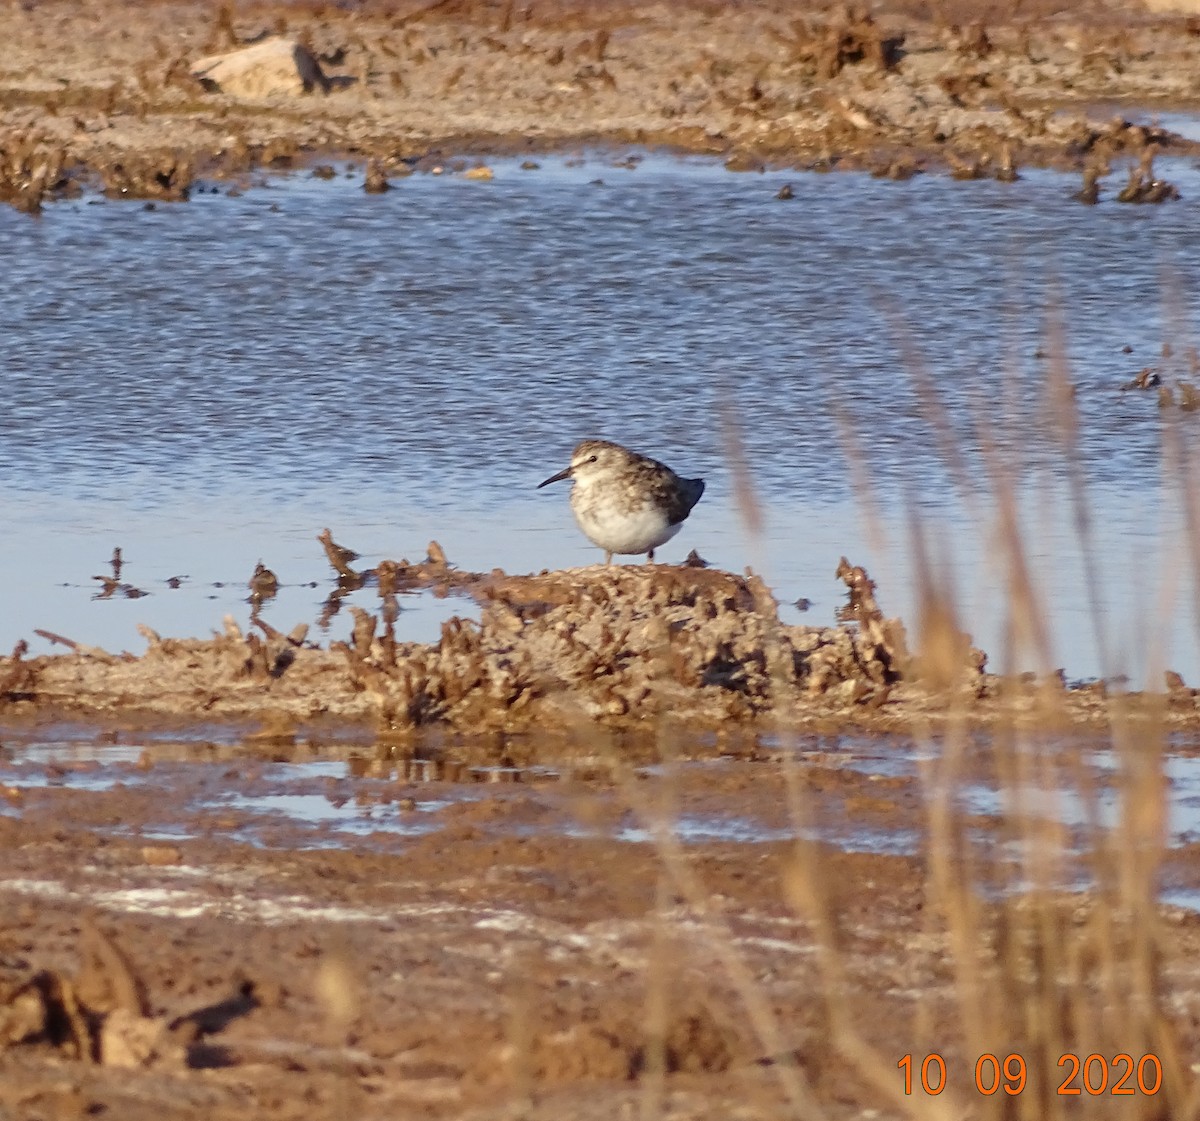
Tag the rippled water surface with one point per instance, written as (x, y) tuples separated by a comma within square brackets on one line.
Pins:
[(210, 384)]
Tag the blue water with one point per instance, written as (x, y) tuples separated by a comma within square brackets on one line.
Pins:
[(212, 383)]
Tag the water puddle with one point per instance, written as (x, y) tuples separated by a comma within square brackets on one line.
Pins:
[(867, 795), (898, 842), (72, 779), (323, 814)]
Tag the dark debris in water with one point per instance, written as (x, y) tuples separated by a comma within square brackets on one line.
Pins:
[(113, 585), (376, 181), (264, 585), (1144, 186), (1146, 378)]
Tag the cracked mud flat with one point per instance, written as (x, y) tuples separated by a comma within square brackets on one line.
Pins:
[(88, 94)]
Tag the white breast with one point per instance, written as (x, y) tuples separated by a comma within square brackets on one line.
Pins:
[(623, 531)]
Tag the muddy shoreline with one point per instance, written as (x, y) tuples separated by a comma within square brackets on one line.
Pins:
[(458, 881), (633, 648), (497, 946), (91, 98)]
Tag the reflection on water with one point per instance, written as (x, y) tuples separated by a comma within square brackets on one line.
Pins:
[(342, 816), (343, 796), (210, 384)]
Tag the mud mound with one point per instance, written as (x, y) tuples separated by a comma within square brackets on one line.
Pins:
[(611, 643)]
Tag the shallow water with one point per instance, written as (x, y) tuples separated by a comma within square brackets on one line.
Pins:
[(209, 384), (350, 795)]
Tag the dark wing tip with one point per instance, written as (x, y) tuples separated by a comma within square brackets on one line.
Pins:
[(694, 489)]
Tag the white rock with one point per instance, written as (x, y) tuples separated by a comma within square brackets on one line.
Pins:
[(274, 66)]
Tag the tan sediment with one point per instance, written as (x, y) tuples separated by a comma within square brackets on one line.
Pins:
[(519, 952), (615, 645), (501, 964), (90, 90)]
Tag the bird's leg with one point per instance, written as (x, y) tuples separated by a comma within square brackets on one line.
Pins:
[(607, 556), (650, 557)]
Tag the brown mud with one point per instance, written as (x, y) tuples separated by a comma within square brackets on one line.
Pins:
[(627, 646), (89, 93), (162, 955), (486, 908), (469, 974)]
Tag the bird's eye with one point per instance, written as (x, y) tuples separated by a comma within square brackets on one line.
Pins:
[(592, 459)]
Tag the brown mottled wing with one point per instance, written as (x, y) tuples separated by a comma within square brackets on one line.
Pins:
[(666, 489)]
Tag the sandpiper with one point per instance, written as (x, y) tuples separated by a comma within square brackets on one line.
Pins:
[(625, 502)]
